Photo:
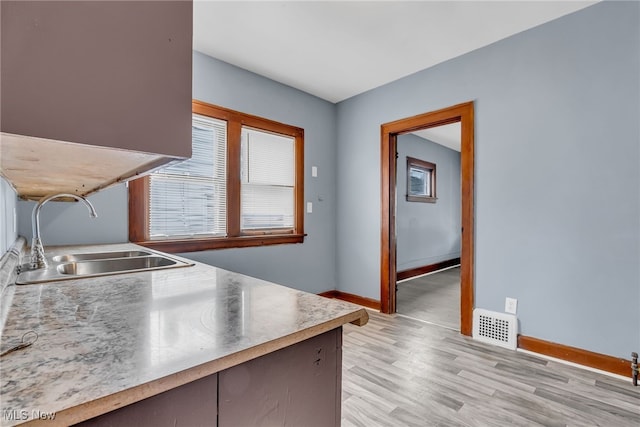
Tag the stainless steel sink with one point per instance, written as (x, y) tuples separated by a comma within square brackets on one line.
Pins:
[(98, 255), (91, 268), (93, 264)]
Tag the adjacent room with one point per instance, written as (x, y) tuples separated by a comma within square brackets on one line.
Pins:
[(428, 224)]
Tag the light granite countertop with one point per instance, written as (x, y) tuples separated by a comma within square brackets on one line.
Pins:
[(106, 342)]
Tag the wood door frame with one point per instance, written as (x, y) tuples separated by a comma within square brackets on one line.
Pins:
[(463, 113)]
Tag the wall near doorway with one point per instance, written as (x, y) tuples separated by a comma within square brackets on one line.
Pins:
[(551, 104), (428, 233)]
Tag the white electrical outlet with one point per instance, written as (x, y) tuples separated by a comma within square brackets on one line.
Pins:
[(309, 207), (510, 305)]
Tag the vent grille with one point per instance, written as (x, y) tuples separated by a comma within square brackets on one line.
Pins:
[(495, 328)]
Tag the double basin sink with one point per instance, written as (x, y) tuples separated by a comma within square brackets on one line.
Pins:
[(93, 264)]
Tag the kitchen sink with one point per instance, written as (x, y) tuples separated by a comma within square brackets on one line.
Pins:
[(94, 264), (90, 268), (98, 255)]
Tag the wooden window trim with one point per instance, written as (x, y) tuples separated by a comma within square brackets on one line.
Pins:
[(236, 238), (422, 164)]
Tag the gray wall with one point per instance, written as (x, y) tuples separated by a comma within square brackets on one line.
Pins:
[(8, 219), (427, 233), (309, 266), (557, 180), (69, 223)]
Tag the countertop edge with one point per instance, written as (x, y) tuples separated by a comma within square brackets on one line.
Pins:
[(137, 393)]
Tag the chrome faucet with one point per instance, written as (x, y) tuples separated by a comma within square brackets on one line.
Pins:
[(38, 259)]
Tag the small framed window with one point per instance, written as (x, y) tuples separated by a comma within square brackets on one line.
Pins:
[(421, 181)]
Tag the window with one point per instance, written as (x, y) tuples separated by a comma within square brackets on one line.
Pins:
[(421, 181), (242, 187)]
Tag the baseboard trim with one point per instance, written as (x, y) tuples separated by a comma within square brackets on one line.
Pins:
[(356, 299), (413, 272), (599, 361)]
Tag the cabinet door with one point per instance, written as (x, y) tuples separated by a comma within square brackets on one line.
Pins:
[(105, 73), (299, 385), (190, 405)]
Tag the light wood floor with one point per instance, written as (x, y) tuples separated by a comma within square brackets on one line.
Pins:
[(433, 298), (403, 372)]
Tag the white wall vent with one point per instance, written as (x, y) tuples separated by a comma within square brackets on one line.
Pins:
[(495, 328)]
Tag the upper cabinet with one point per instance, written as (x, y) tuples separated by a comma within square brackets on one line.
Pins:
[(92, 92)]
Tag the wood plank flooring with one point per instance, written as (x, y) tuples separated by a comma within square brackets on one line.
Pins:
[(403, 372), (433, 298)]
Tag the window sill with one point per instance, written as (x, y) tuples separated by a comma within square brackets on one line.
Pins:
[(195, 245), (422, 199)]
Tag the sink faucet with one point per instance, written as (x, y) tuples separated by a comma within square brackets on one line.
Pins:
[(37, 250)]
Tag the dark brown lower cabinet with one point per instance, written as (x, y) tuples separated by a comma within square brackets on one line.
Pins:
[(193, 404), (299, 385), (296, 386)]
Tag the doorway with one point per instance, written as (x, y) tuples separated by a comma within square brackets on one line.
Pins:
[(428, 227), (462, 113)]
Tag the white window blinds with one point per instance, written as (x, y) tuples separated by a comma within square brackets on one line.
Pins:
[(267, 180), (189, 199)]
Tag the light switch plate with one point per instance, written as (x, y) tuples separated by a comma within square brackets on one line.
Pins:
[(510, 305), (309, 207), (314, 171)]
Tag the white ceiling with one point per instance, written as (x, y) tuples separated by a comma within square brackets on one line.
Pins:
[(448, 135), (338, 49)]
